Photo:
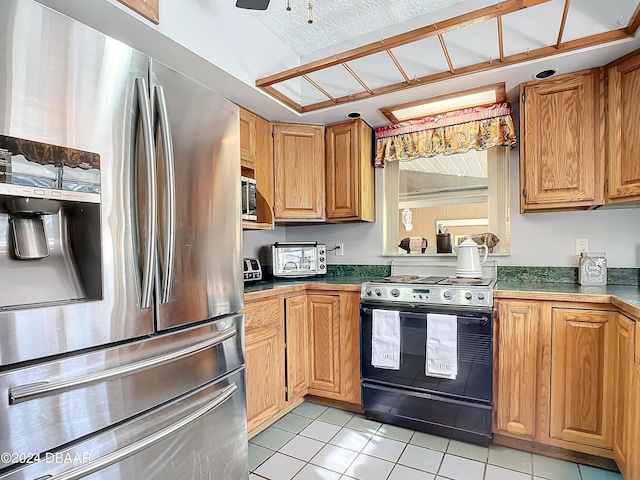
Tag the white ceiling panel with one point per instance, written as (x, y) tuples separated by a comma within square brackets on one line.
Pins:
[(532, 28), (290, 88), (589, 17), (337, 81), (422, 58), (473, 44), (469, 164), (310, 94), (376, 70)]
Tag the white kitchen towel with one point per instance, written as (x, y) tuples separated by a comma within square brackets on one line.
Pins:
[(385, 339), (442, 346)]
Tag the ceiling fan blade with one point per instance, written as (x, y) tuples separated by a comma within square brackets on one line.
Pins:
[(253, 4)]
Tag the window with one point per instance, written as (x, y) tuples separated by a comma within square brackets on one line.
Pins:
[(465, 194)]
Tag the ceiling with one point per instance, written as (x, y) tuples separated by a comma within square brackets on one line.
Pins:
[(454, 39), (336, 21), (228, 49), (470, 164)]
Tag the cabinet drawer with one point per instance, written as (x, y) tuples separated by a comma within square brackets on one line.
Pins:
[(89, 392), (201, 435), (262, 312)]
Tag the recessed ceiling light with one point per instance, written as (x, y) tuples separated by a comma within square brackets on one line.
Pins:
[(545, 74), (475, 97), (353, 115)]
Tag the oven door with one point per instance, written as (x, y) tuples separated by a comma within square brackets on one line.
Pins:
[(475, 352)]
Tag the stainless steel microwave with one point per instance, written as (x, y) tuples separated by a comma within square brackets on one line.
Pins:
[(298, 259), (249, 199)]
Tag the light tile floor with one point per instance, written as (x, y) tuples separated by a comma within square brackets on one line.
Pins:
[(314, 442)]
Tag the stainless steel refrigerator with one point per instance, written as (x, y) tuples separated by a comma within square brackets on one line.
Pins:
[(121, 349)]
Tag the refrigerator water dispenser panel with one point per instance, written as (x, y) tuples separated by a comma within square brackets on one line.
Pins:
[(50, 224)]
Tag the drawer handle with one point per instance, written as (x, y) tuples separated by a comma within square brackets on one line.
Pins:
[(128, 451), (23, 393)]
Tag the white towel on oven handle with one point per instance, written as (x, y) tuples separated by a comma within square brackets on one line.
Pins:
[(442, 346), (385, 339)]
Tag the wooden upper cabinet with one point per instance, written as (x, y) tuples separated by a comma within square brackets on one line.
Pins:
[(562, 142), (247, 138), (299, 171), (623, 168), (583, 376), (324, 343), (350, 172), (625, 332), (517, 335)]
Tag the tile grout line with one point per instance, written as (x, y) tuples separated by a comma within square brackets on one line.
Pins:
[(375, 433)]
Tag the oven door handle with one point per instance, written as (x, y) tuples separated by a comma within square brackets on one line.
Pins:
[(468, 320)]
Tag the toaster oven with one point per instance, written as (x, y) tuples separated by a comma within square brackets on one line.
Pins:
[(298, 259)]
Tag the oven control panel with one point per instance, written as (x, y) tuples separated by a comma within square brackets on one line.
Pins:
[(429, 295)]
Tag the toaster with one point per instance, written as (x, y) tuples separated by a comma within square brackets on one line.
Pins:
[(252, 271)]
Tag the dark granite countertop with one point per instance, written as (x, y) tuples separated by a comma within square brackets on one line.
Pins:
[(283, 283), (629, 294)]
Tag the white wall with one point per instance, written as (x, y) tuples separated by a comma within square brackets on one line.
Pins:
[(537, 239), (211, 41)]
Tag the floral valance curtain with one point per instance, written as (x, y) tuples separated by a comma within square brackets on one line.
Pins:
[(453, 132)]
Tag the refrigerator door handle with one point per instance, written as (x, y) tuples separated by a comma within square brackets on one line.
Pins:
[(169, 206), (136, 447), (152, 201), (31, 391)]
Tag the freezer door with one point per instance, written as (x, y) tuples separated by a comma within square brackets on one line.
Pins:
[(199, 234), (65, 84), (202, 435), (80, 395)]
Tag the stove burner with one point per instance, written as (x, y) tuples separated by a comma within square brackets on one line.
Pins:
[(474, 282), (414, 279)]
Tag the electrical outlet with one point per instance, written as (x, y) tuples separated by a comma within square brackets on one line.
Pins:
[(582, 245), (339, 249)]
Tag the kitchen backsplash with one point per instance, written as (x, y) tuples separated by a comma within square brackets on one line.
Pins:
[(615, 276), (373, 271)]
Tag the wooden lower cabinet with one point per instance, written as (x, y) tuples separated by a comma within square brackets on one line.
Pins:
[(264, 360), (624, 351), (583, 376), (324, 344), (633, 437), (562, 378), (307, 343), (296, 340), (516, 330), (334, 346)]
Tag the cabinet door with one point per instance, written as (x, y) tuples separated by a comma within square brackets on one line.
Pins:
[(299, 172), (324, 343), (350, 390), (517, 330), (264, 369), (625, 330), (264, 360), (247, 138), (296, 339), (582, 376), (561, 162), (633, 466), (349, 166), (624, 129)]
